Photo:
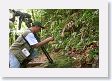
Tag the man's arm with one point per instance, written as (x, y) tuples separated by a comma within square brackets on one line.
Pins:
[(43, 42), (34, 43)]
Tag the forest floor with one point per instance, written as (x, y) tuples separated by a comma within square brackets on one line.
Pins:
[(40, 61), (73, 59)]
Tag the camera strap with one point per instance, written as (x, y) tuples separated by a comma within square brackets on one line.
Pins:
[(31, 49)]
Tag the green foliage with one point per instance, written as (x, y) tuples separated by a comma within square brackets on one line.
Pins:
[(86, 20), (62, 61), (94, 52)]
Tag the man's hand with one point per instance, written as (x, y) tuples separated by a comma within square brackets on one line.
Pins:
[(51, 38), (43, 42)]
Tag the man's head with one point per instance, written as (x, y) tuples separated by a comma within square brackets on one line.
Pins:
[(37, 26)]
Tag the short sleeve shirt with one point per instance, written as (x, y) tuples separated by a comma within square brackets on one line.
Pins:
[(31, 39)]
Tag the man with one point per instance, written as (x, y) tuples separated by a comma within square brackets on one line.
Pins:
[(23, 47)]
